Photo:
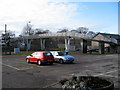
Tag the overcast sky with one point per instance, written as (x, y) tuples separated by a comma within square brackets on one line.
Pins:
[(57, 14)]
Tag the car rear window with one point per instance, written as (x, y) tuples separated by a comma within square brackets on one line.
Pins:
[(61, 53), (47, 54)]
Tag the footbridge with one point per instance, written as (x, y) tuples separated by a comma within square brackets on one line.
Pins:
[(70, 35)]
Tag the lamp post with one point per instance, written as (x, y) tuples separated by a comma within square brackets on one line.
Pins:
[(29, 33), (28, 27)]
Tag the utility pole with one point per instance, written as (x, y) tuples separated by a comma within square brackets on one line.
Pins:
[(28, 27), (7, 40), (5, 37), (5, 28)]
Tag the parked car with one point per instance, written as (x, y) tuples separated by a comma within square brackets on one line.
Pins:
[(40, 57), (62, 57)]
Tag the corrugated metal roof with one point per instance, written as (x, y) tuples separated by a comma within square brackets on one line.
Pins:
[(115, 36)]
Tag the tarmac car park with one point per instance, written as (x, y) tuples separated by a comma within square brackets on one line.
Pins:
[(16, 73)]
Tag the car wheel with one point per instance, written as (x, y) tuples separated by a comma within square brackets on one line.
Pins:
[(39, 62), (61, 61), (72, 62), (51, 63), (27, 60)]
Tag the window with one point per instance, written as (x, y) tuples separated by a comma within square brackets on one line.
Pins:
[(47, 54), (38, 54), (61, 53), (33, 54), (56, 53)]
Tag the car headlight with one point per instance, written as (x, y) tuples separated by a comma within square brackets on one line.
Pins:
[(65, 58)]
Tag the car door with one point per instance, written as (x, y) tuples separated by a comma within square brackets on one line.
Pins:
[(32, 58), (37, 56), (56, 56)]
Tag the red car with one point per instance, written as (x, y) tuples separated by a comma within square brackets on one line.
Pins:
[(40, 57)]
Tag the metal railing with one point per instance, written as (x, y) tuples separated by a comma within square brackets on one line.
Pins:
[(64, 35), (70, 34)]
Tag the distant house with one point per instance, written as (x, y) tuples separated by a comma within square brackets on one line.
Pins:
[(106, 37)]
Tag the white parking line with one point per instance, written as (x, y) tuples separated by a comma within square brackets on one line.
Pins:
[(105, 73), (112, 76), (26, 68), (16, 67), (50, 85), (13, 67), (10, 66)]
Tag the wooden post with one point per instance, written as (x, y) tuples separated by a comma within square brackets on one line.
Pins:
[(84, 46), (113, 48), (101, 47)]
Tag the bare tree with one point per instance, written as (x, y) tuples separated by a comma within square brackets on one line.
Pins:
[(41, 31), (83, 30), (62, 30), (38, 31), (7, 36), (47, 31), (6, 41), (91, 34), (74, 31), (28, 30)]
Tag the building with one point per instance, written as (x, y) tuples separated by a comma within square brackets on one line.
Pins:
[(113, 46)]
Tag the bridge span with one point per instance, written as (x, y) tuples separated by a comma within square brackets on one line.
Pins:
[(71, 35)]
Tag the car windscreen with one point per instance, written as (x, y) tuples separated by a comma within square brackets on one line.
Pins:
[(33, 54), (61, 53), (47, 54)]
